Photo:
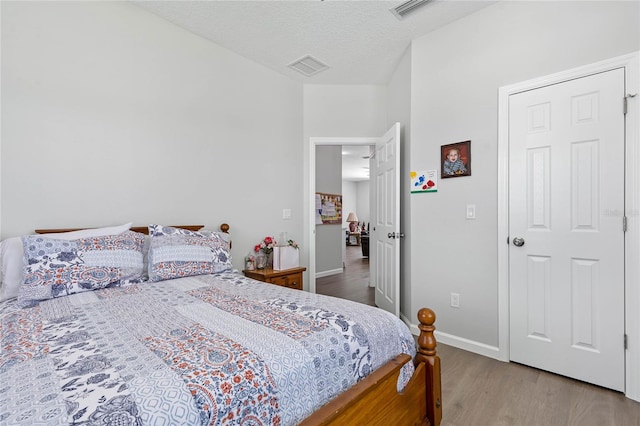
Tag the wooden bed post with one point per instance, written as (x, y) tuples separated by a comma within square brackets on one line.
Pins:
[(427, 354)]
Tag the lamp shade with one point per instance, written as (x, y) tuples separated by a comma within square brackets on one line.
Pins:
[(352, 219)]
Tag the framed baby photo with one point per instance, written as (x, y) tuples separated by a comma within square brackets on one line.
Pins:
[(455, 159)]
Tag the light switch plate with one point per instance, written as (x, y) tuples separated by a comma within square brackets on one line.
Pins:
[(471, 211), (286, 213)]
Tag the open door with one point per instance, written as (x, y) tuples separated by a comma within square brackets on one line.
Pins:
[(384, 244)]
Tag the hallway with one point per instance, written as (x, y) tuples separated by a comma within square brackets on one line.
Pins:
[(353, 283)]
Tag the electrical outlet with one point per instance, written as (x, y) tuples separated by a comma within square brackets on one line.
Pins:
[(455, 300)]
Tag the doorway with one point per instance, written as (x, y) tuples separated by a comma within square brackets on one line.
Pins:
[(352, 281), (384, 253), (315, 144)]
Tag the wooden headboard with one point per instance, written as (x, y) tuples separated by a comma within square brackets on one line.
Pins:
[(142, 229)]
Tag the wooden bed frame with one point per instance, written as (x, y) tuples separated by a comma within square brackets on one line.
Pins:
[(375, 399), (141, 229)]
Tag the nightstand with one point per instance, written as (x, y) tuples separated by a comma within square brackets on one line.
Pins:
[(291, 278)]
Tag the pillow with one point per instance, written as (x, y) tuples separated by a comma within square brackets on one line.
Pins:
[(12, 255), (58, 267), (176, 253), (88, 233), (12, 264)]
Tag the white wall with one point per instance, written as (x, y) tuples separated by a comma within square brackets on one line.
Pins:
[(456, 73), (349, 201), (363, 206), (344, 110), (340, 111), (329, 237), (111, 114)]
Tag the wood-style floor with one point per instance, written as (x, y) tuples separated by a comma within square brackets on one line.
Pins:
[(353, 283), (477, 390), (480, 391)]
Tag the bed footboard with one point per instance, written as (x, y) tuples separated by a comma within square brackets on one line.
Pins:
[(376, 401), (428, 356)]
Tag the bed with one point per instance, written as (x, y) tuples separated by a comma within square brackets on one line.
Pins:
[(121, 329)]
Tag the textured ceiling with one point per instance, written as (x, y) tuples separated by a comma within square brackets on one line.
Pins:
[(361, 41)]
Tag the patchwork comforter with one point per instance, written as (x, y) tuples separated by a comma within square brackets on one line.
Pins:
[(210, 349)]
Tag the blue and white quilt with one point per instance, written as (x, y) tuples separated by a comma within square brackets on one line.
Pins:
[(210, 349)]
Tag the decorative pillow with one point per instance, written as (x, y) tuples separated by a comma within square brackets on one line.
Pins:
[(176, 253), (58, 267), (13, 255)]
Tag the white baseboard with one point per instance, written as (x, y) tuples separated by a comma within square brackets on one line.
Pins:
[(460, 342), (330, 272)]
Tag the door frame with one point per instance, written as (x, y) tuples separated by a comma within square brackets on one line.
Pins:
[(631, 65), (311, 218)]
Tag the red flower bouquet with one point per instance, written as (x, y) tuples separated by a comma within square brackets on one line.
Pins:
[(266, 245)]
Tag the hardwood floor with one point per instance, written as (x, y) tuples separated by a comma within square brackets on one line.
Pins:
[(477, 390), (480, 391), (353, 283)]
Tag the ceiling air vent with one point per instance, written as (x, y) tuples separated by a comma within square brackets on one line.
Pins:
[(407, 7), (308, 65)]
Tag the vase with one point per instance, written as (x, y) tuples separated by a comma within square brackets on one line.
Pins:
[(270, 260), (261, 260), (250, 262)]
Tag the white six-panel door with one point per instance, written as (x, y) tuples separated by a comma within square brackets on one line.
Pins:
[(566, 202), (385, 260)]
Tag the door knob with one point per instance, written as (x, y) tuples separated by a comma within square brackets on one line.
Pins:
[(391, 235), (518, 242)]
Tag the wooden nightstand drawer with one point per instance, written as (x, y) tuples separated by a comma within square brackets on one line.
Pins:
[(291, 281), (290, 278)]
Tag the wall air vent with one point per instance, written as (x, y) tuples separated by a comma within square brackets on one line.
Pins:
[(407, 7), (308, 65)]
